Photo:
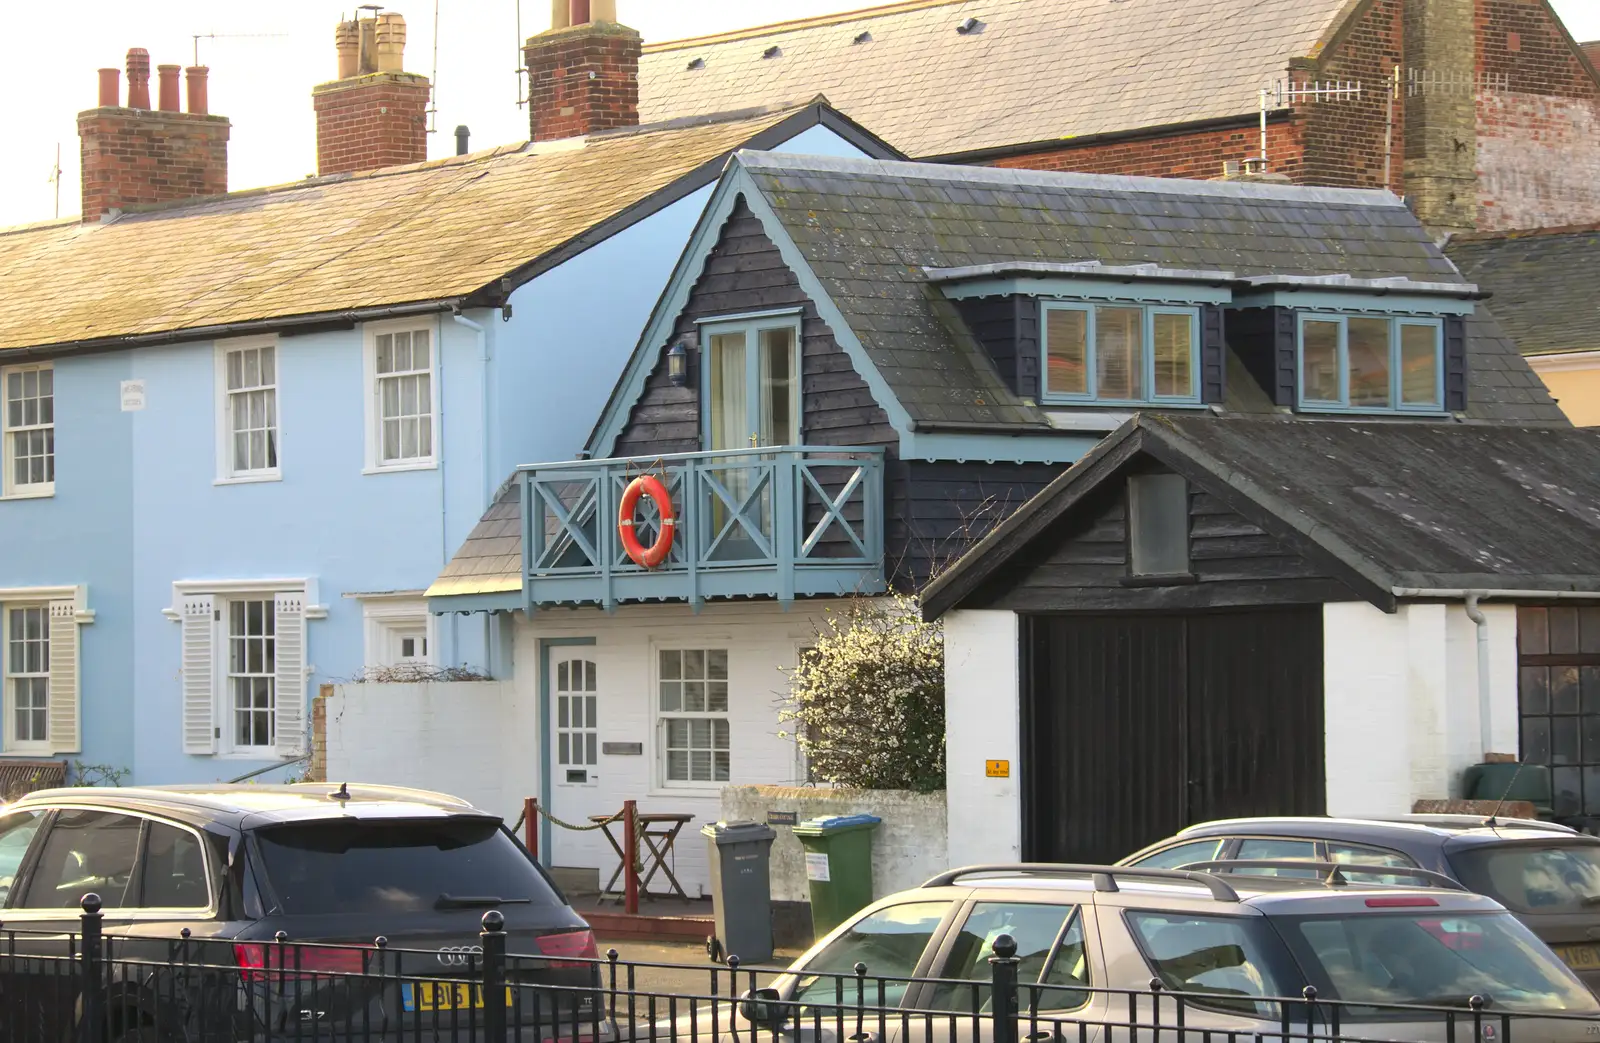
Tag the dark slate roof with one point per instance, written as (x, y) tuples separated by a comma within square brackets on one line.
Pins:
[(490, 560), (1407, 506), (1543, 283), (868, 228)]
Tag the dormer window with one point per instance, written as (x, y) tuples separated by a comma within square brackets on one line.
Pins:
[(1370, 363), (1121, 353)]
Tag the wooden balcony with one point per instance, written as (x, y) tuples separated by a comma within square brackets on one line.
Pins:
[(780, 522)]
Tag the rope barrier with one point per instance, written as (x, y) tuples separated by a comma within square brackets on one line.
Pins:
[(601, 824)]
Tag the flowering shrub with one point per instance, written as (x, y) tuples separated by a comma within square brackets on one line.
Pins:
[(868, 699)]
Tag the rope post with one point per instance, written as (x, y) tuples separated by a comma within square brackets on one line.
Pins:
[(530, 825), (630, 856)]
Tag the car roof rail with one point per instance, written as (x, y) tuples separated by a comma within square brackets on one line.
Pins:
[(1104, 877), (1335, 871), (1484, 822)]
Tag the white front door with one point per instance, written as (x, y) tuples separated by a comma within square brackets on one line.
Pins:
[(574, 751)]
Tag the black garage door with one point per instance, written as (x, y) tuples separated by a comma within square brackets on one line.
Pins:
[(1135, 726)]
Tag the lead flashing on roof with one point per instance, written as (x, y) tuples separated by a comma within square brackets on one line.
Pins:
[(778, 163), (1096, 268), (1143, 282), (1387, 284)]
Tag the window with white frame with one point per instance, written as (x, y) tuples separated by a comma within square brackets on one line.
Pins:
[(1371, 363), (400, 364), (39, 669), (1121, 353), (252, 671), (30, 430), (692, 708), (27, 674), (399, 631), (244, 668), (248, 381)]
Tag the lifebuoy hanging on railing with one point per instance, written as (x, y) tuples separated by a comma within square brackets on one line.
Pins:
[(653, 555)]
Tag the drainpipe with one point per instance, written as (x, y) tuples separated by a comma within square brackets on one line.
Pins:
[(1475, 613), (483, 449)]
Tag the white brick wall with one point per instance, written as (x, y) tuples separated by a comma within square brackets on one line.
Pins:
[(455, 738), (762, 641), (1401, 701), (981, 701), (908, 847)]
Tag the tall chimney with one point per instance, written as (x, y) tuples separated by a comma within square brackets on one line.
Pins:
[(375, 114), (1441, 119), (583, 74), (134, 155)]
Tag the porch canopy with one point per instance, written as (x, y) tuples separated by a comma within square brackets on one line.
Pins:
[(1386, 510)]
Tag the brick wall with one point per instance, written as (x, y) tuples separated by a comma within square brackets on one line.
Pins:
[(1189, 154), (138, 156), (1538, 147), (582, 79), (372, 121), (1347, 140)]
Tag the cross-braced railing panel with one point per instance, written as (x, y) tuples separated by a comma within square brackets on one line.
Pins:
[(774, 521)]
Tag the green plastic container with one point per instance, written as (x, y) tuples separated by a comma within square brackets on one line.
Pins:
[(1529, 782), (838, 867)]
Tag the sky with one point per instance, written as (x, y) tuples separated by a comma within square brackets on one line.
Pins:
[(266, 57)]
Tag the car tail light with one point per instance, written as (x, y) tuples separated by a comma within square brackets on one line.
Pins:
[(1401, 902), (261, 961), (575, 946)]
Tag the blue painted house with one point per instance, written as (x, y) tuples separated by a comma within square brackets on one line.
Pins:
[(860, 367), (242, 433)]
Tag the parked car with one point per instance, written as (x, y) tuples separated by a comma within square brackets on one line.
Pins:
[(270, 888), (1091, 939), (1548, 875)]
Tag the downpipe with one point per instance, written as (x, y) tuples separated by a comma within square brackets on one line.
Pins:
[(1479, 620), (483, 453)]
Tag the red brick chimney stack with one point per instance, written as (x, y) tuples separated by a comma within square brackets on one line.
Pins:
[(135, 155), (375, 114), (583, 75)]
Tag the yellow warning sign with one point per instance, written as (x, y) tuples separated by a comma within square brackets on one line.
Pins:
[(997, 769)]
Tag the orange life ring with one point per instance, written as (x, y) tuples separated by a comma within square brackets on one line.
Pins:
[(656, 553)]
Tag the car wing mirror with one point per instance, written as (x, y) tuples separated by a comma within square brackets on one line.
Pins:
[(762, 1006)]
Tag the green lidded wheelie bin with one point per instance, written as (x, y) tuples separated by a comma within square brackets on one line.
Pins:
[(838, 852)]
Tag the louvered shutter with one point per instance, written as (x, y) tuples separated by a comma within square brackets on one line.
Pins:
[(65, 732), (290, 668), (199, 700)]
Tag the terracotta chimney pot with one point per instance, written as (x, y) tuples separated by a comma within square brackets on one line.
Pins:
[(391, 41), (167, 99), (580, 12), (196, 75), (601, 10), (138, 78), (347, 41), (110, 88), (560, 14)]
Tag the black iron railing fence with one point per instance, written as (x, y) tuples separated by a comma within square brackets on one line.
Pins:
[(83, 986)]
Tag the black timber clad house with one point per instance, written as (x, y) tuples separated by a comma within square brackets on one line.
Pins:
[(861, 366)]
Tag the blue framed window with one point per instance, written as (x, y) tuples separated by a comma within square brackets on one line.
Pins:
[(1370, 363), (1116, 353)]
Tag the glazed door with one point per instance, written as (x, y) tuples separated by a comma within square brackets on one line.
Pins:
[(577, 790), (752, 400)]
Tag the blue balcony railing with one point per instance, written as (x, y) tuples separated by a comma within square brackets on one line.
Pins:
[(781, 522)]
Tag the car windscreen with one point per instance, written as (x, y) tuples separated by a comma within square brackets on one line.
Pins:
[(1432, 957), (348, 866), (1562, 877)]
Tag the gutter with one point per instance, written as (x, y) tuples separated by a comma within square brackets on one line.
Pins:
[(1518, 595), (235, 329)]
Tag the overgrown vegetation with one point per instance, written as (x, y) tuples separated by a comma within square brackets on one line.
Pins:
[(868, 701), (417, 673), (97, 774)]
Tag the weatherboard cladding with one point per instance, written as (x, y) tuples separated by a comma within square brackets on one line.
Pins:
[(867, 229), (1083, 563), (1543, 284)]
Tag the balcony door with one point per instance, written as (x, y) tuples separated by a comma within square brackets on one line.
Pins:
[(752, 396)]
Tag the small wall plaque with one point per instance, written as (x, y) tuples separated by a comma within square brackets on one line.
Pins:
[(622, 749), (782, 818), (997, 769), (132, 396)]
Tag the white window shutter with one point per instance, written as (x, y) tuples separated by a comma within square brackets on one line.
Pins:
[(199, 701), (290, 667), (65, 730)]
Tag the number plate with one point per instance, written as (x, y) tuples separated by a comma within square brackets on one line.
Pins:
[(1580, 957), (443, 995)]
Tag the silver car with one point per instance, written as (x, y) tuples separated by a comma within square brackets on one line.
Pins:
[(1117, 954)]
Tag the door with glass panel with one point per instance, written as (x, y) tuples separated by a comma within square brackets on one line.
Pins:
[(576, 791), (752, 397)]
